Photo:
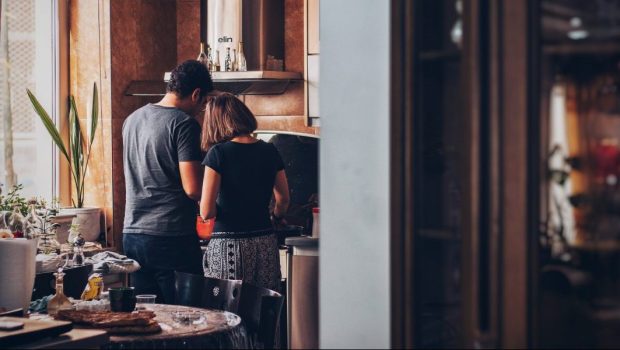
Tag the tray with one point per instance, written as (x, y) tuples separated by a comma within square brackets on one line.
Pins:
[(33, 330)]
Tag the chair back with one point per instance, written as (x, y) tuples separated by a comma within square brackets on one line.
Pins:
[(260, 310), (188, 289), (207, 292), (222, 294)]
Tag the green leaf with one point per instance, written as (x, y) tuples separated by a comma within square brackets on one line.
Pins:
[(48, 123), (75, 145), (94, 114)]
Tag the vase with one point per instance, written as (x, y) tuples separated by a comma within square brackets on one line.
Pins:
[(17, 272)]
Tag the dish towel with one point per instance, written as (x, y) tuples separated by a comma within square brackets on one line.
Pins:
[(111, 262)]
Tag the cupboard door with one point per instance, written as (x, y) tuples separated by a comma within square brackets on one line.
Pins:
[(441, 163)]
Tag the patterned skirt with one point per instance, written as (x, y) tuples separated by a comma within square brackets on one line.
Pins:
[(249, 256)]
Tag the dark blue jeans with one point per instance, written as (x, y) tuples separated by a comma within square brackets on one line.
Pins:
[(159, 257)]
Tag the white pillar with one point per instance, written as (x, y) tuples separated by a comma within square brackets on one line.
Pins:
[(354, 166)]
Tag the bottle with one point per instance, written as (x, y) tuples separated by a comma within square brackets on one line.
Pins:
[(209, 59), (202, 56), (241, 63), (216, 64), (59, 301), (234, 61), (94, 287), (227, 61), (315, 222)]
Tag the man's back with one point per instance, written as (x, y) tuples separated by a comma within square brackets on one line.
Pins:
[(155, 140)]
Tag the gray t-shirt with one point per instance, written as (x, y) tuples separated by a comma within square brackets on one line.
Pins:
[(155, 140)]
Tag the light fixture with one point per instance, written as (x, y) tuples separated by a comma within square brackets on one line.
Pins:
[(577, 31)]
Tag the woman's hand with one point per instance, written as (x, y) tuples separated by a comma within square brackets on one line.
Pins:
[(278, 222)]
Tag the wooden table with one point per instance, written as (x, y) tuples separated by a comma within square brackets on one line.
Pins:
[(221, 330)]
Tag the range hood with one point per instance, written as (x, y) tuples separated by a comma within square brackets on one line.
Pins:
[(259, 24)]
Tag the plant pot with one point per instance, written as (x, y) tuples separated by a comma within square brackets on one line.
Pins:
[(88, 219), (17, 272), (65, 221)]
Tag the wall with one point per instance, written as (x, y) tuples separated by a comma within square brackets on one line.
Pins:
[(89, 62), (112, 45), (354, 253), (143, 47), (140, 40)]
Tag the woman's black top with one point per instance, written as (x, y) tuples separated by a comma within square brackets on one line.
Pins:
[(248, 172)]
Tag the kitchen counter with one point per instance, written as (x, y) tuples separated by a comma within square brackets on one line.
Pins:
[(302, 241)]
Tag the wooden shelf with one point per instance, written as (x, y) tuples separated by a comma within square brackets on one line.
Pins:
[(589, 48), (439, 55), (442, 234)]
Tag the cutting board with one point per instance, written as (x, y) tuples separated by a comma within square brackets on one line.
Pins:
[(33, 330)]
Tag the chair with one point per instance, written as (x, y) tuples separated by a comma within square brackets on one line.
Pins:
[(260, 310), (207, 292), (222, 294), (188, 289)]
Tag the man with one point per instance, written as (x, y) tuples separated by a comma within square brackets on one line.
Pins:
[(163, 180)]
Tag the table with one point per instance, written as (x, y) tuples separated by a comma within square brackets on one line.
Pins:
[(222, 330)]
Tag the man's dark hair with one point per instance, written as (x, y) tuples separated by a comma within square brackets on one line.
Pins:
[(187, 77)]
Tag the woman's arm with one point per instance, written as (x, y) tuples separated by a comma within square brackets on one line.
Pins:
[(210, 189), (281, 195)]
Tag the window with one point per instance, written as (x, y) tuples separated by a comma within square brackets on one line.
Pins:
[(29, 60)]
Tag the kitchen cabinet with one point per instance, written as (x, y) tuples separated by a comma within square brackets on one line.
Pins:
[(313, 27), (459, 155), (312, 61)]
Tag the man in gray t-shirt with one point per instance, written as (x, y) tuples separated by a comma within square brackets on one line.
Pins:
[(163, 180)]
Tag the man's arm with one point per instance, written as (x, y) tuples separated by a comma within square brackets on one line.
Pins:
[(191, 178)]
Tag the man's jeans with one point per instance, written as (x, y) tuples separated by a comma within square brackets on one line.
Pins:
[(159, 257)]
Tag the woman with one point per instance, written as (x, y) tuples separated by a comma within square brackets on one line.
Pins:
[(241, 173)]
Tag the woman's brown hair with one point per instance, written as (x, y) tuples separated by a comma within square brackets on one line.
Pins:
[(226, 117)]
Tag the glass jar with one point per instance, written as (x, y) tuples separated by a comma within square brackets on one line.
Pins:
[(34, 223), (17, 223), (48, 241)]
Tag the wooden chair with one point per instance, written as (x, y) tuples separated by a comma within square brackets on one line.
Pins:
[(188, 289), (260, 310), (207, 292), (222, 294)]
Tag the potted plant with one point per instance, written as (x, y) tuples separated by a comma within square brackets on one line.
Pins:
[(78, 155)]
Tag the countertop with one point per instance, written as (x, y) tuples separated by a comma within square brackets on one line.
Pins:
[(302, 241)]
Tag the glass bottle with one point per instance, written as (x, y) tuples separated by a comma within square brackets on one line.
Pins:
[(216, 64), (241, 62), (74, 232), (16, 223), (234, 61), (202, 56), (59, 301), (78, 250), (209, 59), (5, 232), (227, 61)]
